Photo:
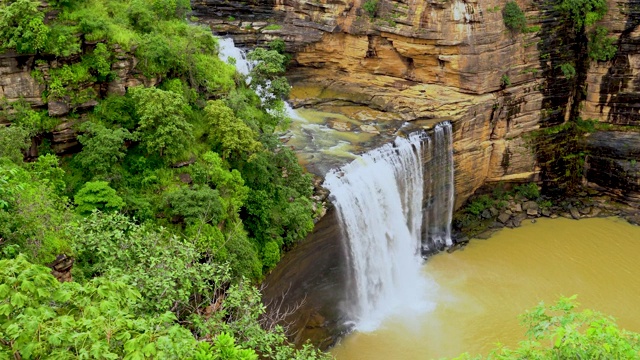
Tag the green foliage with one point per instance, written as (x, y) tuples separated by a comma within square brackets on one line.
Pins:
[(267, 75), (14, 141), (529, 191), (22, 26), (165, 269), (505, 80), (272, 27), (270, 254), (42, 318), (102, 147), (513, 17), (583, 13), (32, 213), (162, 128), (97, 195), (34, 122), (480, 204), (568, 70), (600, 47), (198, 203), (117, 111), (232, 135), (371, 7), (559, 332)]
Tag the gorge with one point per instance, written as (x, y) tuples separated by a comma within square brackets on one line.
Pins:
[(135, 163)]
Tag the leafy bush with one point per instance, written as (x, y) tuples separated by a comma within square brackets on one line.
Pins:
[(583, 13), (600, 47), (41, 317), (513, 17), (505, 80), (371, 7), (97, 195), (480, 204), (568, 70), (32, 213), (22, 26), (102, 147), (529, 191), (162, 128)]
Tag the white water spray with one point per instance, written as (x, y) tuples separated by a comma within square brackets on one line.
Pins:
[(379, 199)]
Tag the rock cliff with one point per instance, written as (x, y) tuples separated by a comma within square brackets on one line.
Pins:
[(18, 83), (453, 60)]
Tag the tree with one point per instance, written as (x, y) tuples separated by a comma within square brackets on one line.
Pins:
[(102, 147), (513, 17), (267, 76), (232, 135), (22, 27), (165, 269), (583, 13), (600, 46), (97, 195), (42, 318), (14, 141), (229, 183), (163, 127), (559, 332), (31, 213), (199, 203)]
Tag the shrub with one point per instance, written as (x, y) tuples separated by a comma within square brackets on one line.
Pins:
[(568, 70), (97, 195), (505, 80), (482, 203), (513, 17), (529, 191), (600, 47), (370, 6)]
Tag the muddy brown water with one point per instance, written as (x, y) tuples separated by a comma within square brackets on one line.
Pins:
[(483, 288)]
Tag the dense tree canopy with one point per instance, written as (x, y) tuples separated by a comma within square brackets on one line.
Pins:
[(157, 205)]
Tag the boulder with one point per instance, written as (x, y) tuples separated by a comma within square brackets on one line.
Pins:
[(574, 213), (517, 220), (530, 205), (532, 212), (504, 217)]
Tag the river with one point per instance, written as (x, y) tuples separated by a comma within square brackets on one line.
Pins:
[(479, 292)]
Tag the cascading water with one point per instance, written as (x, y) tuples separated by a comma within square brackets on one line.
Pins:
[(440, 190), (379, 198)]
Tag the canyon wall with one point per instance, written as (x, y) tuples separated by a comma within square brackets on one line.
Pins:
[(450, 60)]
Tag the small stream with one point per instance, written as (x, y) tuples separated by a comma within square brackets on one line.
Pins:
[(482, 289)]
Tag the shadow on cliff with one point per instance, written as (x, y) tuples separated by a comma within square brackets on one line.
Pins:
[(614, 91)]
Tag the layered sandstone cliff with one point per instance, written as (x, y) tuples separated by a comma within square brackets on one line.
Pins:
[(452, 60)]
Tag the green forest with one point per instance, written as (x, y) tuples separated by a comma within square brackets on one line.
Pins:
[(179, 201), (180, 196)]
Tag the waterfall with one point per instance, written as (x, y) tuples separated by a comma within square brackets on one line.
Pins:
[(379, 198), (440, 190)]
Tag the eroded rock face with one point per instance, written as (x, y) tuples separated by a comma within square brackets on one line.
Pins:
[(428, 60), (18, 84), (612, 165), (613, 88)]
